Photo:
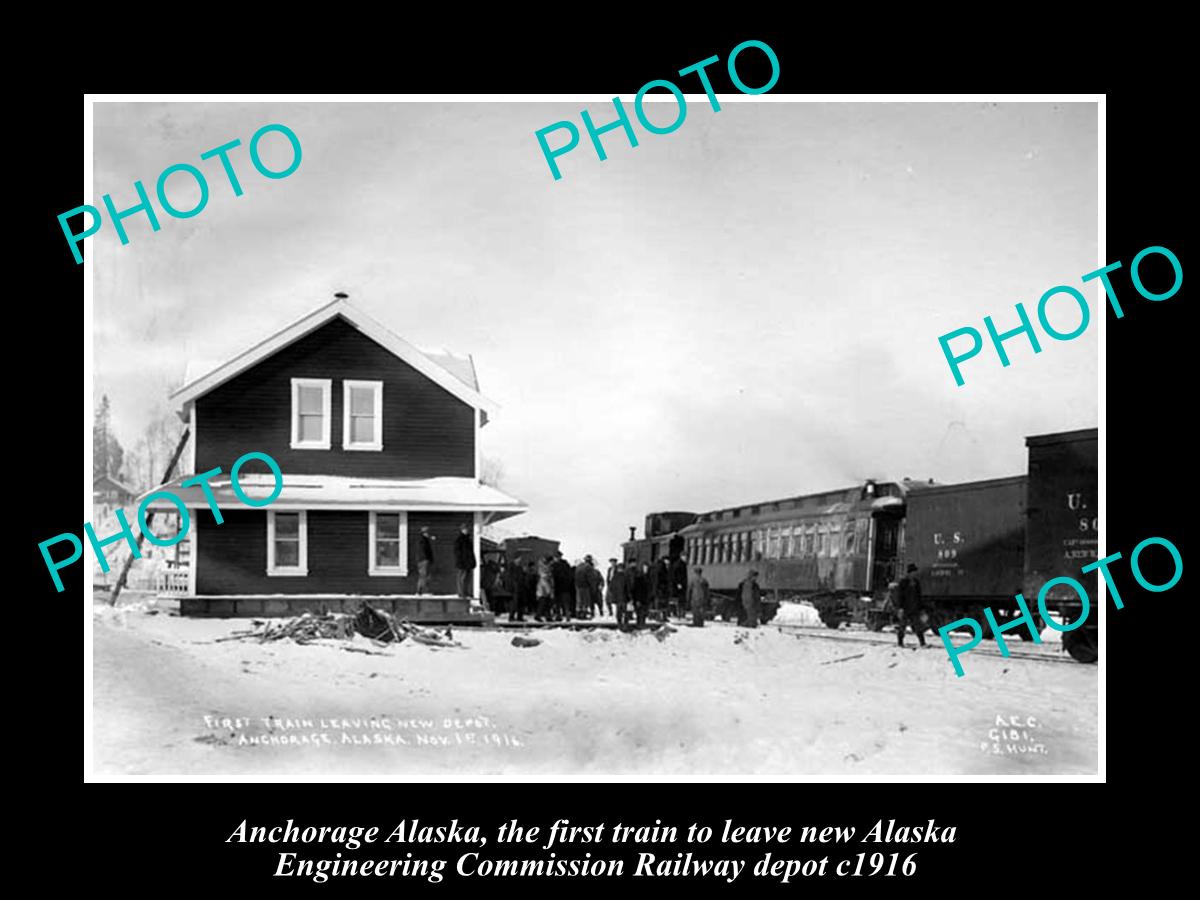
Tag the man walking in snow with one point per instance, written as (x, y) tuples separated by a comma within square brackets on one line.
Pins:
[(698, 597), (911, 609)]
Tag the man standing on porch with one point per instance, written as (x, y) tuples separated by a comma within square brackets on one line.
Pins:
[(424, 560), (464, 560)]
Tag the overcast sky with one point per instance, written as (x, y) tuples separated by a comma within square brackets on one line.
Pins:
[(745, 309)]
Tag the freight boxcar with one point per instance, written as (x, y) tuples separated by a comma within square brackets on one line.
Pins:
[(1061, 532), (968, 543)]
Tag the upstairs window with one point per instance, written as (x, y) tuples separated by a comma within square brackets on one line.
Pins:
[(287, 543), (388, 544), (310, 413), (362, 427)]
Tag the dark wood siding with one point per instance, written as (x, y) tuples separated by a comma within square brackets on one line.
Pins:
[(233, 555), (1061, 535), (427, 431)]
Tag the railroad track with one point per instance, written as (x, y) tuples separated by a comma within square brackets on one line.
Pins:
[(813, 631), (853, 637)]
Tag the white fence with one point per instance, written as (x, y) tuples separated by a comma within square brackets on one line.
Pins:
[(172, 581)]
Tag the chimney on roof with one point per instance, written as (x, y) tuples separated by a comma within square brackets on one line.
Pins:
[(342, 296)]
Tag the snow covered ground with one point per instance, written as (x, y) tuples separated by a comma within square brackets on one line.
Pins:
[(170, 699)]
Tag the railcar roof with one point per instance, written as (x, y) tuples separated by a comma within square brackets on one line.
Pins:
[(1062, 437)]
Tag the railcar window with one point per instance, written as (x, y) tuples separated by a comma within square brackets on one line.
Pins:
[(849, 541)]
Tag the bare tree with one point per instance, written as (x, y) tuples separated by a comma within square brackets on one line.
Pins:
[(491, 471), (152, 450)]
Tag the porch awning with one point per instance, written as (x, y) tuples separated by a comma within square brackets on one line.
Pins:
[(341, 492)]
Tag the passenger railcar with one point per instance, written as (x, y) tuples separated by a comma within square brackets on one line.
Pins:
[(832, 547)]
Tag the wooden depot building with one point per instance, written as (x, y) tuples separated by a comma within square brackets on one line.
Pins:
[(375, 439)]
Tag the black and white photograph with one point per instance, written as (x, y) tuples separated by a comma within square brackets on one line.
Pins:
[(463, 439)]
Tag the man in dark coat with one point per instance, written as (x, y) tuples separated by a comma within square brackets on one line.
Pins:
[(679, 585), (662, 588), (583, 591), (595, 589), (424, 560), (464, 561), (618, 594), (911, 609), (641, 592), (564, 586), (751, 596), (698, 597), (488, 576), (526, 591)]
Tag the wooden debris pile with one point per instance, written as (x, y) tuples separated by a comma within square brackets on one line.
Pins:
[(378, 626)]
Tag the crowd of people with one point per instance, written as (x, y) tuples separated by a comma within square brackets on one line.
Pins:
[(551, 589)]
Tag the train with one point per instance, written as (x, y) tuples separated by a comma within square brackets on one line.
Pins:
[(975, 544)]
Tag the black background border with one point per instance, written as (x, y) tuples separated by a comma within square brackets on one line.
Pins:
[(1038, 831)]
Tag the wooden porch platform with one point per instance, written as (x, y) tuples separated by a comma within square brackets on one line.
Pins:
[(431, 609)]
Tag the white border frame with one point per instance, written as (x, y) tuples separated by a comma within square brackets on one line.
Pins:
[(392, 571), (90, 195), (275, 571), (326, 386), (377, 386)]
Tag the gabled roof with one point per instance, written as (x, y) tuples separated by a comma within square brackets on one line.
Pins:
[(98, 480), (454, 373)]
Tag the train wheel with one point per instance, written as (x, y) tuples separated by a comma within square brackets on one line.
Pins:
[(984, 626), (1082, 645), (1038, 623), (831, 622), (875, 622)]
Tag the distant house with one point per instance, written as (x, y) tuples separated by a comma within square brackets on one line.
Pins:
[(375, 439), (109, 494)]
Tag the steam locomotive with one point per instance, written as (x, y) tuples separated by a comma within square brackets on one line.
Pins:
[(975, 544)]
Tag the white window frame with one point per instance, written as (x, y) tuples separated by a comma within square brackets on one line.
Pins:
[(377, 387), (282, 571), (326, 386), (372, 568)]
